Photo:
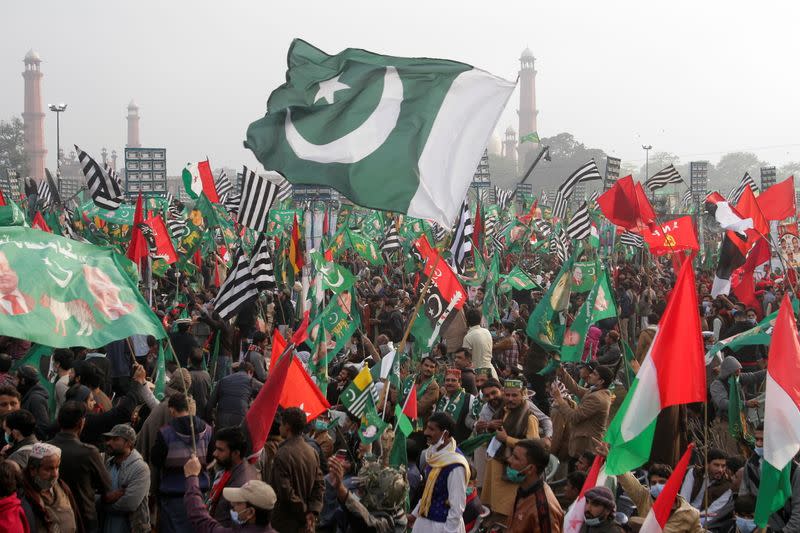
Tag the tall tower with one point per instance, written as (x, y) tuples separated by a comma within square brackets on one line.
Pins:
[(510, 146), (527, 107), (33, 116), (133, 126)]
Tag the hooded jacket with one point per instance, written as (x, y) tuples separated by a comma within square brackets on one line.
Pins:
[(35, 400), (719, 387), (12, 517)]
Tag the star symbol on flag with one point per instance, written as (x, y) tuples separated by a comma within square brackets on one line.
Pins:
[(328, 88)]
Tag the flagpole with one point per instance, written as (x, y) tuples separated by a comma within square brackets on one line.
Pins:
[(545, 149), (185, 393)]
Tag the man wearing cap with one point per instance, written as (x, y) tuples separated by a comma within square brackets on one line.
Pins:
[(518, 422), (125, 509), (459, 404), (599, 511), (588, 419), (251, 504), (534, 507), (47, 500)]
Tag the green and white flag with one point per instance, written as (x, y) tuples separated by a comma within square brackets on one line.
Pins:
[(598, 305), (546, 323), (58, 292), (391, 133), (530, 138), (517, 279), (366, 248)]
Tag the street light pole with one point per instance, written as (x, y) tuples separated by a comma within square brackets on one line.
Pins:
[(647, 148), (58, 109)]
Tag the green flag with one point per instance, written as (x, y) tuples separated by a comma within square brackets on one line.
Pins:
[(365, 248), (345, 120), (161, 374), (34, 357), (334, 277), (399, 455), (404, 424), (517, 279), (473, 443), (529, 138), (575, 336), (490, 307), (63, 293), (545, 325), (583, 276), (372, 426), (338, 321), (625, 455)]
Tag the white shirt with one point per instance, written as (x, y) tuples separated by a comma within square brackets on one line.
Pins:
[(457, 496), (478, 341)]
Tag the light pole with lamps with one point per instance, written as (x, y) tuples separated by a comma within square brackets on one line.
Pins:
[(647, 148), (58, 109)]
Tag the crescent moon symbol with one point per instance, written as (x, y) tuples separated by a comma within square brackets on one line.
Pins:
[(340, 279), (363, 140), (435, 298)]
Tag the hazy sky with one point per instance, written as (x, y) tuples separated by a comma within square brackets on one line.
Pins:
[(695, 78)]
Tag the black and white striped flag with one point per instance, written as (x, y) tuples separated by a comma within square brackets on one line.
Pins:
[(239, 288), (580, 226), (258, 195), (438, 232), (736, 193), (106, 192), (593, 197), (223, 185), (231, 202), (178, 228), (261, 266), (503, 197), (587, 172), (462, 238), (662, 178), (391, 240), (45, 194), (489, 227), (284, 189), (559, 246), (114, 175), (687, 198), (542, 227), (631, 239)]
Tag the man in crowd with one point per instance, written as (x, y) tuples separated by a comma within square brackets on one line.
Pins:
[(478, 341), (457, 403), (10, 400), (200, 389), (462, 360), (231, 397), (447, 473), (427, 388), (535, 507), (708, 489), (599, 511), (47, 499), (296, 477), (230, 447), (19, 427), (125, 509), (82, 467), (62, 364), (34, 398)]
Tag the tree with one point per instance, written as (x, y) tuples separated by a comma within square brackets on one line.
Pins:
[(567, 154), (789, 169), (12, 146), (659, 161), (731, 167)]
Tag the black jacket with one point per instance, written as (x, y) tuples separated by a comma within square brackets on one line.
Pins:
[(36, 401)]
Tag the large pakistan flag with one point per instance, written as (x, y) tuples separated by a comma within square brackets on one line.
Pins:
[(58, 292), (390, 133)]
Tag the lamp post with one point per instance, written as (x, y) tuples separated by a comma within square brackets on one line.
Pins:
[(58, 109), (647, 148)]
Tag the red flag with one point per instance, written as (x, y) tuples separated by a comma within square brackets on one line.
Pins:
[(778, 202), (659, 514), (748, 207), (410, 407), (259, 418), (625, 204), (39, 223), (302, 331), (295, 253), (2, 199), (446, 281), (300, 390), (204, 168), (672, 236), (742, 281), (325, 224), (164, 247), (217, 280), (525, 219), (137, 249), (477, 227), (198, 258)]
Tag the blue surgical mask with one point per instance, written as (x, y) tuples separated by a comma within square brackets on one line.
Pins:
[(594, 521), (514, 475), (235, 518), (9, 439), (656, 489), (759, 451), (745, 525)]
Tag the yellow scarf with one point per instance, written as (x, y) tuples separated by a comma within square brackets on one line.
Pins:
[(438, 459)]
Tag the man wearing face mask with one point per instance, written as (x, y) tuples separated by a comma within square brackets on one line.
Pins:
[(447, 473), (251, 505), (50, 505), (599, 511), (751, 357), (788, 518), (535, 507)]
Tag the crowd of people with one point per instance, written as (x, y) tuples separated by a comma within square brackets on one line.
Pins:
[(98, 452)]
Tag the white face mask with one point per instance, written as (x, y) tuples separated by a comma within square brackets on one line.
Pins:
[(235, 518)]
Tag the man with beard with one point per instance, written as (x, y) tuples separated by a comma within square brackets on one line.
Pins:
[(47, 500), (534, 506), (447, 473), (457, 403), (18, 428), (126, 509), (518, 422), (599, 511), (711, 486), (230, 447), (462, 360), (492, 393), (34, 398), (427, 388)]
